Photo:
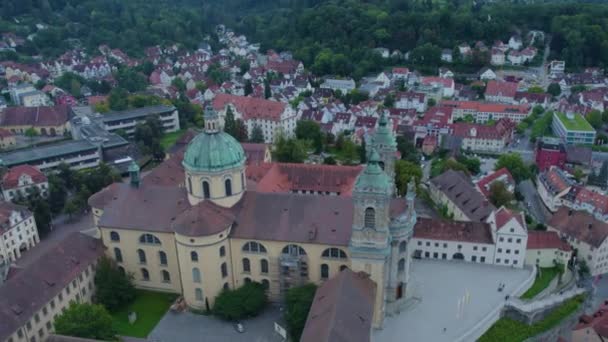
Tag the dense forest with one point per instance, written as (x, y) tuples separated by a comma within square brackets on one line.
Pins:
[(331, 36)]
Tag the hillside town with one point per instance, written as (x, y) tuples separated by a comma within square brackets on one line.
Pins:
[(403, 205)]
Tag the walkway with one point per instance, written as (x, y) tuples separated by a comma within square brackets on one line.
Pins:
[(533, 306)]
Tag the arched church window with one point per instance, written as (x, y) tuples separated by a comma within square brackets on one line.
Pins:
[(334, 253), (228, 186), (293, 250), (402, 246), (206, 192), (370, 218), (149, 239), (189, 185), (254, 247)]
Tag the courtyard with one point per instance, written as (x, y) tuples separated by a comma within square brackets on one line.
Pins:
[(192, 327), (437, 287)]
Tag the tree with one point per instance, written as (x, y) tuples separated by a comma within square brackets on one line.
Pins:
[(578, 174), (594, 118), (246, 301), (86, 321), (348, 152), (289, 150), (515, 165), (389, 101), (267, 90), (499, 194), (473, 165), (72, 207), (407, 150), (113, 288), (248, 87), (118, 99), (31, 133), (179, 84), (298, 302), (148, 135), (229, 122), (329, 160), (131, 80), (57, 194), (431, 102), (310, 131), (554, 89), (362, 152), (257, 135), (404, 171)]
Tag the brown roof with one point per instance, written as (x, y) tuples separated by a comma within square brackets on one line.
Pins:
[(35, 116), (342, 310), (458, 188), (294, 218), (500, 88), (11, 178), (34, 286), (285, 177), (504, 215), (151, 208), (580, 225), (435, 229), (546, 240), (203, 219), (169, 173)]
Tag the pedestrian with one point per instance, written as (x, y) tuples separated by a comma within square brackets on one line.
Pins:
[(444, 329)]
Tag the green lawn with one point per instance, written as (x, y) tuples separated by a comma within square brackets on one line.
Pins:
[(170, 138), (542, 281), (150, 308), (577, 124), (508, 330)]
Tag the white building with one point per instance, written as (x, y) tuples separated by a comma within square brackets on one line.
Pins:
[(586, 234), (126, 120), (552, 185), (502, 240), (27, 96), (21, 181), (271, 117), (343, 85), (18, 231), (515, 42), (546, 249), (411, 100)]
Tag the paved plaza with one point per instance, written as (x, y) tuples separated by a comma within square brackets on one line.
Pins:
[(439, 285), (189, 327)]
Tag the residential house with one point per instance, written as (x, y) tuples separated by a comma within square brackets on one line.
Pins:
[(435, 122), (7, 139), (503, 176), (497, 57), (546, 249), (464, 50), (454, 191), (445, 73), (18, 232), (552, 185), (487, 74), (445, 84), (585, 234), (484, 138), (515, 57), (28, 96), (23, 180), (343, 85), (550, 152), (534, 99), (446, 55), (502, 92), (411, 100), (515, 42)]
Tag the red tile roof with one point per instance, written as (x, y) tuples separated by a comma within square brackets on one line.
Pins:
[(484, 107), (444, 82), (598, 322), (35, 116), (11, 178), (500, 88), (255, 153), (546, 240), (502, 175), (342, 310), (286, 177), (503, 129), (436, 229), (250, 107), (203, 219), (6, 209), (594, 199), (504, 216), (555, 180), (4, 133)]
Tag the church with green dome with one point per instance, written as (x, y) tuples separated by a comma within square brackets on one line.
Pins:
[(205, 220)]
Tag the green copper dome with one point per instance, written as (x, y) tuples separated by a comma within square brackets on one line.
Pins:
[(213, 150), (384, 136), (373, 179)]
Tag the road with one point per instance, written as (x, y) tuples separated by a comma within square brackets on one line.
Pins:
[(536, 208), (62, 228)]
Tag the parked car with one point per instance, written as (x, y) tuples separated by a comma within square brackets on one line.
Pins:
[(239, 327)]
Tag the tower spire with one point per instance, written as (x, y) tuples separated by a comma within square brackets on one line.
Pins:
[(212, 122)]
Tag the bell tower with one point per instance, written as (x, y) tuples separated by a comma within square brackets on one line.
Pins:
[(384, 142), (371, 238)]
